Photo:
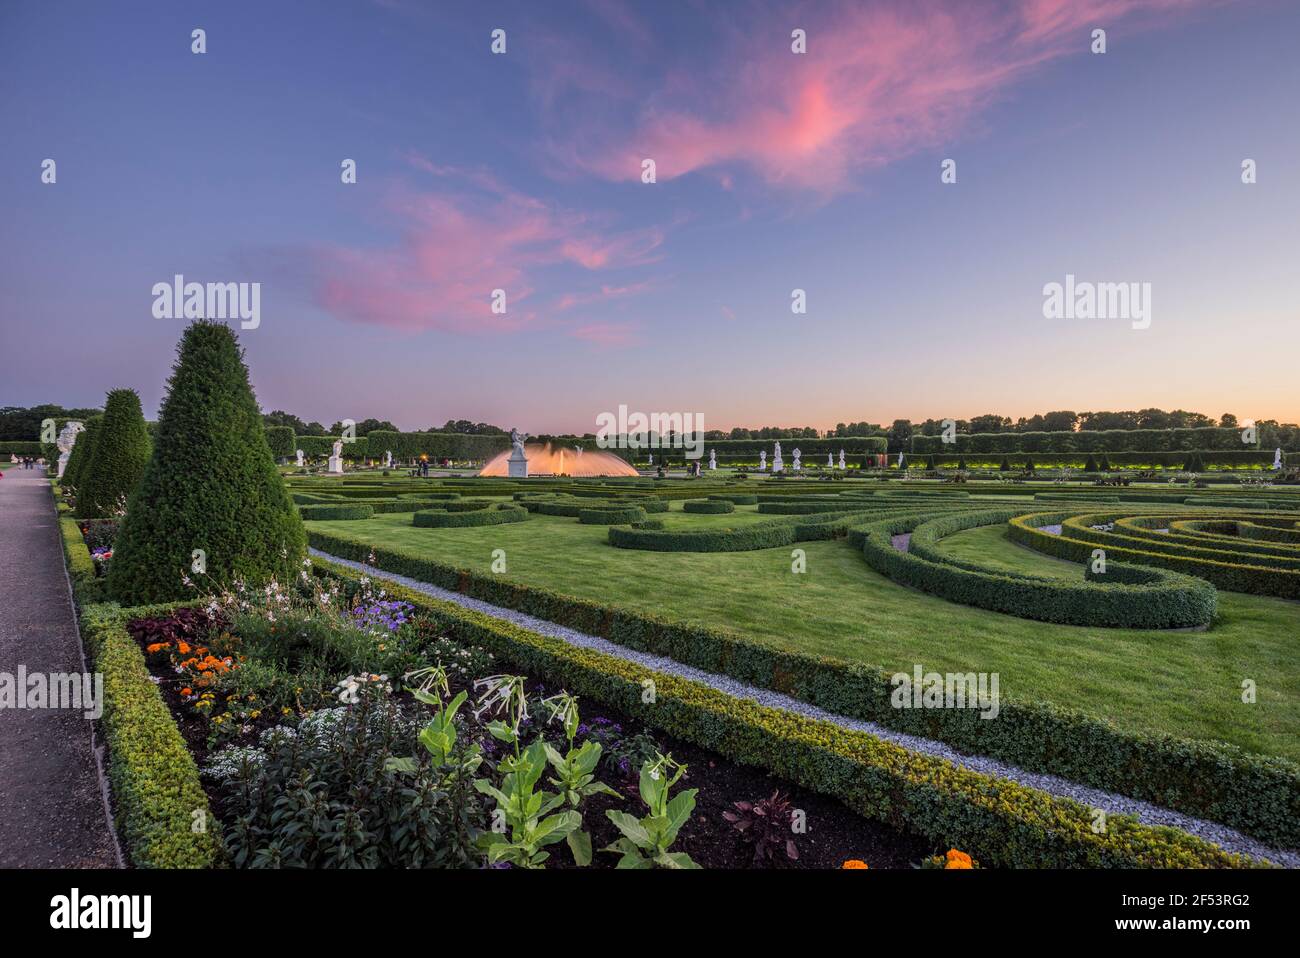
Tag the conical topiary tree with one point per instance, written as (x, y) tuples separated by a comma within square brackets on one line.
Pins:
[(1091, 464), (82, 449), (116, 464), (211, 485)]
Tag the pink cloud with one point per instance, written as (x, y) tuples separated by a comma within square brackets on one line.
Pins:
[(878, 83), (607, 335), (458, 243)]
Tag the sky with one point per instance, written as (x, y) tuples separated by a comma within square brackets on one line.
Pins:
[(775, 171)]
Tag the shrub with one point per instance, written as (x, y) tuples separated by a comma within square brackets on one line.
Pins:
[(738, 498), (712, 507), (117, 461), (616, 515), (498, 514), (211, 484), (328, 512), (82, 452), (1091, 464)]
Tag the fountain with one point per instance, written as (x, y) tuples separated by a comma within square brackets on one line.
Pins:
[(559, 461)]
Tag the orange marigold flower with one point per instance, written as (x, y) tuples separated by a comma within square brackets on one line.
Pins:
[(187, 691), (956, 863), (954, 855), (854, 863), (155, 647), (183, 648)]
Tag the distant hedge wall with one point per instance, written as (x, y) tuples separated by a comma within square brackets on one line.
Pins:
[(1212, 438)]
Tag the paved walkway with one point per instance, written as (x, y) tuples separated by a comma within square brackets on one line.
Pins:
[(52, 808)]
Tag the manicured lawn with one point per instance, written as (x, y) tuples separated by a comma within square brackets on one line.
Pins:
[(1186, 684)]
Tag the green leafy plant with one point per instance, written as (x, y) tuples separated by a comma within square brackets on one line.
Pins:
[(574, 771), (646, 841), (522, 823)]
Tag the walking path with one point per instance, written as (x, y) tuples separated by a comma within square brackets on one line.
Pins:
[(1113, 803), (53, 812)]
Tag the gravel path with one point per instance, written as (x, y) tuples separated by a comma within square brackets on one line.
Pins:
[(53, 807), (1144, 811)]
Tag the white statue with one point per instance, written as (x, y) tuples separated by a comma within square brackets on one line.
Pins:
[(830, 461), (762, 460), (336, 460), (900, 460), (300, 463), (777, 465), (388, 459), (796, 455), (67, 438), (713, 461), (842, 466), (517, 464), (1277, 458)]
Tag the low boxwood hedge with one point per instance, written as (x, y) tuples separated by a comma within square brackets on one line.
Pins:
[(1076, 543), (1256, 794), (709, 507), (156, 792), (337, 512), (87, 586), (999, 821), (616, 515), (1132, 598), (648, 524), (498, 514), (738, 498)]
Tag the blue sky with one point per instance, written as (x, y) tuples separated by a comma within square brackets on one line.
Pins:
[(776, 172)]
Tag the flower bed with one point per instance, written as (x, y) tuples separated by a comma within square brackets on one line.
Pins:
[(361, 694)]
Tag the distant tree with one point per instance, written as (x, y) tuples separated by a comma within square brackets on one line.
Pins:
[(281, 418), (1059, 421), (1228, 421), (988, 423)]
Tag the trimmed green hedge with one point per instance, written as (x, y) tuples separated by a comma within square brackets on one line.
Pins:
[(711, 507), (1256, 794), (738, 498), (87, 587), (617, 515), (156, 790), (998, 821), (1139, 598), (1077, 544), (336, 512), (496, 515)]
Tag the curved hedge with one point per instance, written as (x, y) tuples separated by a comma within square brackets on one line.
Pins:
[(498, 514), (1259, 795), (617, 515), (1125, 598), (1076, 543), (349, 510), (648, 524), (738, 498), (709, 507)]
